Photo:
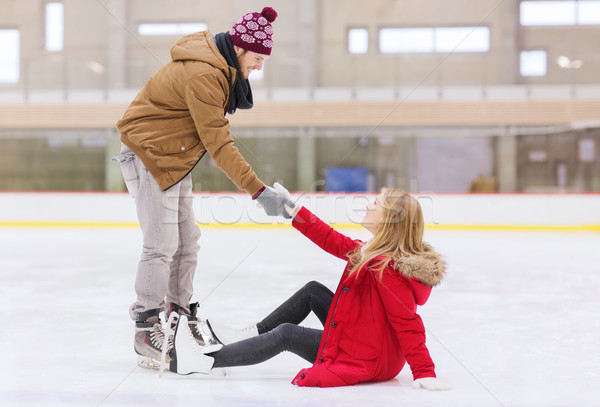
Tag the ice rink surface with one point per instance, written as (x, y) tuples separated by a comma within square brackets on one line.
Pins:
[(516, 322)]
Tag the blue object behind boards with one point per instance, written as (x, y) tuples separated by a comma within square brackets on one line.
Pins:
[(346, 179)]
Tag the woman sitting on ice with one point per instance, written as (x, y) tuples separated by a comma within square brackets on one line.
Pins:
[(371, 327)]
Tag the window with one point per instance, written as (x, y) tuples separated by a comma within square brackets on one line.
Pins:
[(587, 150), (462, 39), (358, 40), (394, 40), (533, 63), (10, 44), (548, 13), (588, 12), (441, 39), (171, 28), (54, 27)]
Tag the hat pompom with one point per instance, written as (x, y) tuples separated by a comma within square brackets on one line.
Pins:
[(269, 13)]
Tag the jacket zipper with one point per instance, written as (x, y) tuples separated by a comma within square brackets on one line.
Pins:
[(186, 174), (329, 329)]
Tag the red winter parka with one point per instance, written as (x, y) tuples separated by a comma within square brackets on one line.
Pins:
[(372, 327)]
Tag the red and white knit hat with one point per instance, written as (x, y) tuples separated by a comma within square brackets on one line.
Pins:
[(254, 31)]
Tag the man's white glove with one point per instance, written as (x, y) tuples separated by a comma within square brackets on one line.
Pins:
[(274, 202), (291, 208), (430, 383)]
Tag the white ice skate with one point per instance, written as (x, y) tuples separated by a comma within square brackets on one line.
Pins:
[(203, 334), (188, 356), (227, 335)]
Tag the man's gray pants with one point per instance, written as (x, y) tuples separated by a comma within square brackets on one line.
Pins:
[(170, 237)]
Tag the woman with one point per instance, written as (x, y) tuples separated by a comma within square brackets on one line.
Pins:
[(371, 328)]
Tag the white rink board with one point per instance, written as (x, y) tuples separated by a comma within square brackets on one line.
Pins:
[(573, 210), (514, 323)]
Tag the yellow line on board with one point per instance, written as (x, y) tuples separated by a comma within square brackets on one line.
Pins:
[(517, 228), (536, 228)]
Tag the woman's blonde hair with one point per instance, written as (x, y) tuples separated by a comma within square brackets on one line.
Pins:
[(399, 234)]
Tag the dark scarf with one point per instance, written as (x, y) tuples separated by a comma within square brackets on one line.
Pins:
[(240, 93)]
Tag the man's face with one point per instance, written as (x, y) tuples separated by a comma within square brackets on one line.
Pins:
[(249, 61)]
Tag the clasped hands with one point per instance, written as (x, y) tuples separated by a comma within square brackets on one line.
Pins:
[(277, 201)]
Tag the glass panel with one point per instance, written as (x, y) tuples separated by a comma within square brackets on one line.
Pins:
[(392, 40), (9, 56), (547, 13), (533, 63), (358, 41), (54, 26), (462, 39)]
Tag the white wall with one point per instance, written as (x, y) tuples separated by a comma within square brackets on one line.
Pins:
[(495, 211)]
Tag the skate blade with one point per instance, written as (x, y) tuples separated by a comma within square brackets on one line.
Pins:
[(218, 372), (164, 365), (147, 362)]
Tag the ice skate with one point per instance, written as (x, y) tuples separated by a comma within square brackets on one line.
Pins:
[(187, 356), (200, 329), (149, 340), (227, 335), (167, 343)]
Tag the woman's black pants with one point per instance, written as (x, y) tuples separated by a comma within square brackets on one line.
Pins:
[(280, 331)]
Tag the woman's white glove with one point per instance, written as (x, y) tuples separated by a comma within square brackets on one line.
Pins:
[(289, 205), (430, 383)]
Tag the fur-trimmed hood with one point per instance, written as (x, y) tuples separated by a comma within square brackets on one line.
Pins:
[(429, 267)]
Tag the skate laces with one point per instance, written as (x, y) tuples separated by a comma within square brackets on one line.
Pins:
[(167, 342), (157, 336), (198, 326), (203, 330), (189, 337)]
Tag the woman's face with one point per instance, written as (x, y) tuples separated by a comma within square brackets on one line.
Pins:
[(374, 215)]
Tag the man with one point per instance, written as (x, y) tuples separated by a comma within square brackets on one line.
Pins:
[(176, 118)]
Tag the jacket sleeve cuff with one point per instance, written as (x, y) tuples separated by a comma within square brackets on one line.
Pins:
[(259, 192), (424, 375), (302, 217)]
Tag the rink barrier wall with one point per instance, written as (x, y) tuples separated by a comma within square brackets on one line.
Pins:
[(493, 212)]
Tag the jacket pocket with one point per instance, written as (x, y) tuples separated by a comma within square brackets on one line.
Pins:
[(357, 350), (180, 145), (129, 171)]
